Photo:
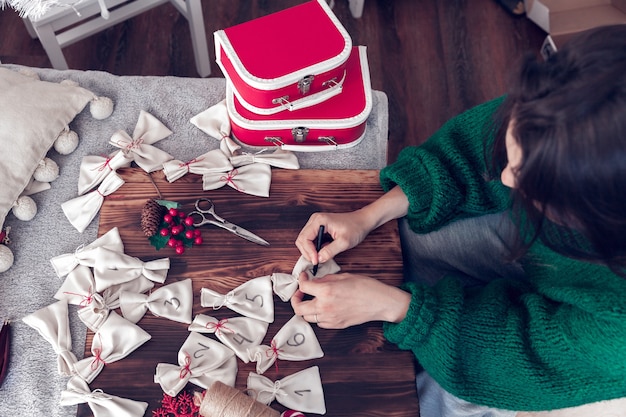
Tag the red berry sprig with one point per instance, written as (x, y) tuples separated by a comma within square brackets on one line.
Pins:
[(176, 231)]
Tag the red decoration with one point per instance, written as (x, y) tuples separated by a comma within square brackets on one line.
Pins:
[(180, 406), (175, 229)]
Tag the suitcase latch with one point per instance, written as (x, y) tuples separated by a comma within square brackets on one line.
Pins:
[(304, 85), (299, 133)]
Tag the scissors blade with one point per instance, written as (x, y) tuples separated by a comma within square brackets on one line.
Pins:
[(243, 233)]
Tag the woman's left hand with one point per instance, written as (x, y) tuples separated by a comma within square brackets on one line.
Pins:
[(344, 300)]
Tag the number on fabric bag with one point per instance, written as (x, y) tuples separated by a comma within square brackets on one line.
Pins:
[(241, 339), (258, 297), (174, 302), (296, 340), (197, 354)]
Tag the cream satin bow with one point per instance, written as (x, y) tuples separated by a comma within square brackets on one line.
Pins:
[(295, 341), (52, 323), (96, 312), (279, 158), (101, 404), (79, 289), (213, 121), (300, 391), (238, 333), (94, 169), (173, 301), (116, 339), (252, 179), (81, 210), (201, 361), (85, 255), (253, 299), (113, 268), (148, 131), (211, 162), (285, 285)]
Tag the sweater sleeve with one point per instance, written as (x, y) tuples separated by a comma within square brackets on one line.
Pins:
[(552, 342), (445, 177)]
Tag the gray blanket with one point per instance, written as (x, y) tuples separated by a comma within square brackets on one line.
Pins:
[(33, 385)]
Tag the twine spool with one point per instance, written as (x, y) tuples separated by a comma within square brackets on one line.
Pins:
[(221, 400)]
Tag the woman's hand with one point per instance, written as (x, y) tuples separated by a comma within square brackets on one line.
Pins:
[(344, 300), (346, 229), (349, 229)]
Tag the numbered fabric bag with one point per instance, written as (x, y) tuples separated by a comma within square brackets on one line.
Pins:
[(338, 122), (287, 60)]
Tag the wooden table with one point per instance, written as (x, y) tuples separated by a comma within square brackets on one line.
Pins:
[(362, 374)]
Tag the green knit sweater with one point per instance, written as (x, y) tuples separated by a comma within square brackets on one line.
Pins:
[(557, 340)]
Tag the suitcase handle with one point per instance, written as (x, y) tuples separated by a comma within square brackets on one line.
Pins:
[(334, 87)]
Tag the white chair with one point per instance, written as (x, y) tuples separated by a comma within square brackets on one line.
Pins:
[(356, 8), (61, 26)]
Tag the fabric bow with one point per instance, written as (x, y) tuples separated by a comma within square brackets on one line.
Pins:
[(254, 179), (215, 122), (279, 158), (94, 169), (299, 391), (295, 341), (113, 268), (238, 333), (52, 323), (101, 404), (79, 289), (211, 162), (173, 301), (201, 361), (116, 339), (148, 131), (80, 211), (285, 285), (253, 299), (85, 255)]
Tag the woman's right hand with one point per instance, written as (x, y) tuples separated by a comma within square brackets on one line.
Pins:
[(346, 229), (350, 229)]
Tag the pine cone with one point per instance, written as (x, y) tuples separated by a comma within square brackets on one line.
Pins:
[(151, 217)]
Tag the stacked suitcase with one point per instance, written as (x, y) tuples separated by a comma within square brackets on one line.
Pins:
[(294, 80)]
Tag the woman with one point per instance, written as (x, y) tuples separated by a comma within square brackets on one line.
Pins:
[(514, 245)]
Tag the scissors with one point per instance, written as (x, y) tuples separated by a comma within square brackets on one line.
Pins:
[(223, 223)]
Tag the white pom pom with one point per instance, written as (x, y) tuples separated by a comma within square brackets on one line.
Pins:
[(66, 142), (24, 208), (71, 83), (6, 258), (46, 171), (30, 73), (101, 107)]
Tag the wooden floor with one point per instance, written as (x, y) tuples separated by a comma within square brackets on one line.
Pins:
[(433, 58)]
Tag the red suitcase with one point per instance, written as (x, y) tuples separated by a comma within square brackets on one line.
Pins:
[(338, 122), (286, 60)]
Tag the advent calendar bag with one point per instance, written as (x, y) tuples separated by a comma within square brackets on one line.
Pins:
[(338, 122), (287, 60)]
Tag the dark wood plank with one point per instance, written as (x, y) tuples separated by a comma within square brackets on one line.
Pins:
[(362, 373)]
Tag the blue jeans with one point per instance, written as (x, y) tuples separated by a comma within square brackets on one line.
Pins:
[(477, 250)]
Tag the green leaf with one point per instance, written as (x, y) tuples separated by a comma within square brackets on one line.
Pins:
[(168, 204), (158, 241)]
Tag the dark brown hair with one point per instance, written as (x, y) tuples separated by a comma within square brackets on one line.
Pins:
[(569, 116)]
